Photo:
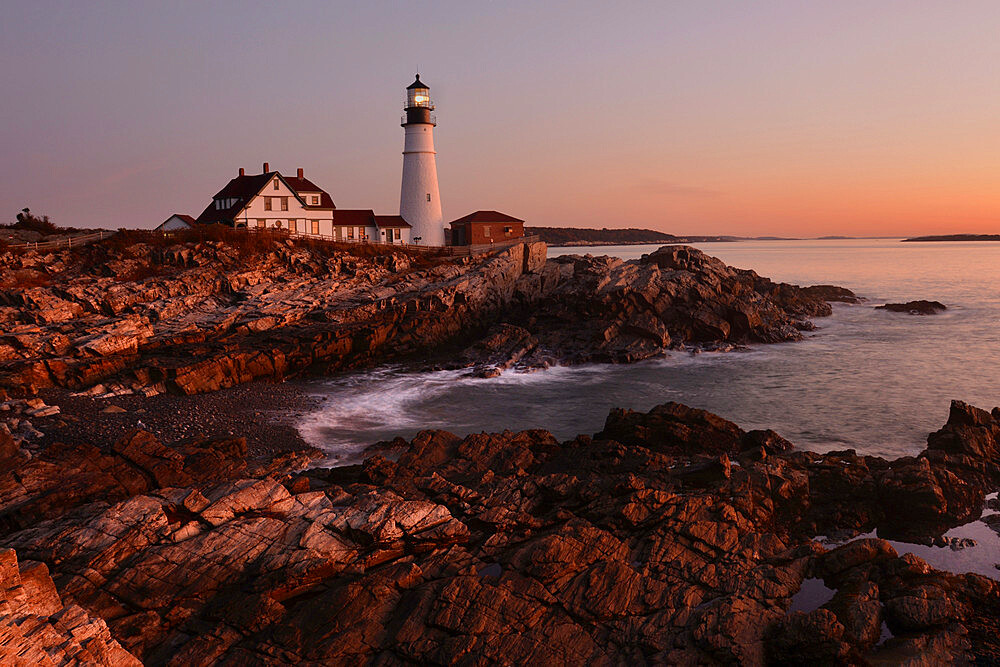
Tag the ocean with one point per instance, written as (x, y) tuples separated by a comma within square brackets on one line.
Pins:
[(870, 380)]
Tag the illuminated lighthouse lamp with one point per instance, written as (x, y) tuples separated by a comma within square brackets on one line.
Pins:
[(418, 95)]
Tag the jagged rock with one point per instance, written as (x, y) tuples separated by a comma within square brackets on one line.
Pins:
[(36, 629), (832, 293), (195, 318), (672, 536), (920, 307)]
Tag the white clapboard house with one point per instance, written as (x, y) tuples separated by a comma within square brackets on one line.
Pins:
[(270, 200)]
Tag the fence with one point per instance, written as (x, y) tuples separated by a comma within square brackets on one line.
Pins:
[(67, 242), (451, 250)]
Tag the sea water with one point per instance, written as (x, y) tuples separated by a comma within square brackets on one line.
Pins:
[(870, 380), (866, 379)]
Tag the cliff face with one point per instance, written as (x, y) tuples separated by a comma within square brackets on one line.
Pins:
[(198, 317), (671, 537), (215, 319)]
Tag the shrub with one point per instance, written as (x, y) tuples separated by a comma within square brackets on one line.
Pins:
[(29, 221)]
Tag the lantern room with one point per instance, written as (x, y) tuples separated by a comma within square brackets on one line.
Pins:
[(418, 95), (418, 105)]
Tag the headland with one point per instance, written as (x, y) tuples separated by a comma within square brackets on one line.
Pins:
[(669, 536)]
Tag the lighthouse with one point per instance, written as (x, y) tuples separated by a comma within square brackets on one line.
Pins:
[(419, 203)]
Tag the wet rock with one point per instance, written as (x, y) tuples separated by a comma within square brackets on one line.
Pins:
[(920, 307), (674, 428), (832, 293)]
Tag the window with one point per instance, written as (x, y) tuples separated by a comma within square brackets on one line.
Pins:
[(275, 184), (397, 234), (428, 196), (315, 200), (507, 230), (315, 226), (267, 203), (486, 230), (260, 223), (350, 232), (284, 203)]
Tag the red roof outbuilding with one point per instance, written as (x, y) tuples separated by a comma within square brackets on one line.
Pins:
[(487, 216)]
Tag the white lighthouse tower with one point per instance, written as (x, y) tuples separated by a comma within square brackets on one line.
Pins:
[(419, 203)]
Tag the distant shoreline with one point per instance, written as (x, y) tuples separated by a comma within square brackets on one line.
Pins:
[(589, 244), (953, 237)]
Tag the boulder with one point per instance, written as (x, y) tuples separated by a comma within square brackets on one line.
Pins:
[(920, 307)]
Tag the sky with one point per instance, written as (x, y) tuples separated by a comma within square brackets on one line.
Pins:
[(703, 117)]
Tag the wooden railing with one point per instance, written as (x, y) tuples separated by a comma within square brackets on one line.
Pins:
[(67, 242), (453, 251), (450, 250)]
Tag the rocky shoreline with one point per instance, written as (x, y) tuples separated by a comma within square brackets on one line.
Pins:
[(191, 318), (672, 536), (153, 509)]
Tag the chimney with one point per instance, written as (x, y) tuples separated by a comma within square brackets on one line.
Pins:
[(267, 167), (242, 172), (300, 172)]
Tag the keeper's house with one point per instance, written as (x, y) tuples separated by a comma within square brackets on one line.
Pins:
[(297, 205), (484, 227)]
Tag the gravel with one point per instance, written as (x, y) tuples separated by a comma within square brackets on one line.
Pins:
[(261, 412)]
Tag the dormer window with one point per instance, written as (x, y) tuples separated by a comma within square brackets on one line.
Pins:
[(315, 200)]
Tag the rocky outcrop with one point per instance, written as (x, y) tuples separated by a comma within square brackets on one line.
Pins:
[(672, 536), (603, 309), (44, 485), (197, 317), (37, 629), (919, 307)]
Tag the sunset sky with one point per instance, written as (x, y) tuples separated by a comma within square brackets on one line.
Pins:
[(746, 118)]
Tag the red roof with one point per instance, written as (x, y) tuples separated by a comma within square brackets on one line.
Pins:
[(391, 221), (353, 218), (304, 188), (244, 188), (486, 216)]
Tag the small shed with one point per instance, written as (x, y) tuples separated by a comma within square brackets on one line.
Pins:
[(484, 227), (392, 229), (175, 223)]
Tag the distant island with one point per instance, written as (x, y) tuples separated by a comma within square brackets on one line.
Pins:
[(954, 237), (573, 236)]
